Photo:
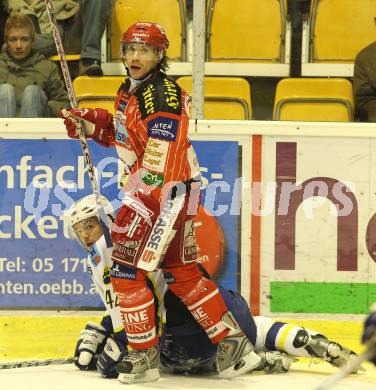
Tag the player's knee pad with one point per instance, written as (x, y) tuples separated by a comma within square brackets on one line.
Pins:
[(202, 298)]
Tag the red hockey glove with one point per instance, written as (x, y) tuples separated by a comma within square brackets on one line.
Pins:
[(135, 219), (97, 123)]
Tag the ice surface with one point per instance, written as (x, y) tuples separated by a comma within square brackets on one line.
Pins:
[(67, 377)]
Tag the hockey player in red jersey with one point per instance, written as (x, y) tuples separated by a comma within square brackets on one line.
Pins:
[(184, 346), (154, 228)]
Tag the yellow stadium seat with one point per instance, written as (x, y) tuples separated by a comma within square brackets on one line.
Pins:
[(339, 29), (97, 92), (169, 13), (225, 97), (314, 99), (246, 30)]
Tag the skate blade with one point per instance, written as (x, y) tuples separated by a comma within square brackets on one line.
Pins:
[(245, 364), (148, 376)]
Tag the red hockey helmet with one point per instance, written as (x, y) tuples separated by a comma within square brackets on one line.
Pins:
[(151, 34)]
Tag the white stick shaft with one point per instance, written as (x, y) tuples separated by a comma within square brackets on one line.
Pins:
[(350, 367)]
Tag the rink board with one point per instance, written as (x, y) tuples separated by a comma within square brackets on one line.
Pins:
[(19, 333), (290, 252)]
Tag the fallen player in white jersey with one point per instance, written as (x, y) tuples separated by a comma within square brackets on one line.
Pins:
[(184, 346)]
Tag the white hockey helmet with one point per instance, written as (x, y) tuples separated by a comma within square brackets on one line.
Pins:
[(85, 208)]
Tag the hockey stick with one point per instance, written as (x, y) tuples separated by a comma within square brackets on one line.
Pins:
[(34, 363), (81, 134), (350, 367)]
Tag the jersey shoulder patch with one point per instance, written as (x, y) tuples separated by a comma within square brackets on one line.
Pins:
[(161, 94)]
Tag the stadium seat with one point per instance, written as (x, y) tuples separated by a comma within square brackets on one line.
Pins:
[(94, 92), (169, 13), (246, 30), (225, 97), (314, 99), (339, 29)]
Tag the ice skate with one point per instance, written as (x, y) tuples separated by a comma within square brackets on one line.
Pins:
[(330, 351), (139, 366), (274, 362), (235, 354)]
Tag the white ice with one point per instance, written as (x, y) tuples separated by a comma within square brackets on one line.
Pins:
[(67, 377)]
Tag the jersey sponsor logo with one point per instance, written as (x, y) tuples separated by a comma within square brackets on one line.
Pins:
[(155, 155), (121, 137), (161, 225), (122, 275), (169, 278), (202, 317), (106, 275), (156, 234), (212, 332), (172, 95), (148, 99), (190, 248), (136, 338), (161, 95), (163, 128), (156, 148), (125, 252), (148, 256), (152, 178), (118, 255), (94, 256)]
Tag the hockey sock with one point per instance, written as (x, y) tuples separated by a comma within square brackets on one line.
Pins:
[(201, 297), (136, 302), (286, 337)]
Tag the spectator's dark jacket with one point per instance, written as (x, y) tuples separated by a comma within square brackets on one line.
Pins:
[(64, 9), (35, 69), (365, 83)]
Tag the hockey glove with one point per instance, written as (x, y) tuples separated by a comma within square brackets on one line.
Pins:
[(114, 351), (369, 332), (135, 218), (97, 123), (90, 344), (274, 362)]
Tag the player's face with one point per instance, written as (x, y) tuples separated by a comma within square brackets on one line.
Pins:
[(19, 43), (140, 60), (88, 231)]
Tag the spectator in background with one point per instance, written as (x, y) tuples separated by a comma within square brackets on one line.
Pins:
[(3, 17), (30, 85), (81, 24), (365, 84)]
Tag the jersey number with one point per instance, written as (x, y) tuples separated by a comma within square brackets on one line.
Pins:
[(111, 302)]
